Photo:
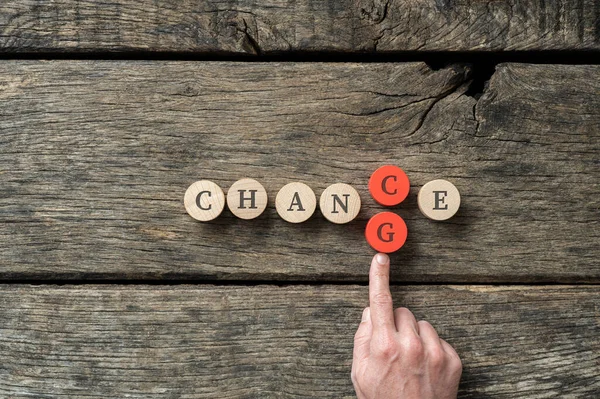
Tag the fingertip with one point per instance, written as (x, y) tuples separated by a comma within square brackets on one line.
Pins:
[(380, 265), (382, 259)]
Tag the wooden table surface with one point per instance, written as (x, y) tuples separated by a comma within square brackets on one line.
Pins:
[(110, 110)]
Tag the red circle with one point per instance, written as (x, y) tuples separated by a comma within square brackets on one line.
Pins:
[(389, 185), (386, 232)]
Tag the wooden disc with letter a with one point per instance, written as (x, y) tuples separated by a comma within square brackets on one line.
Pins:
[(439, 199), (295, 202), (386, 232), (204, 200), (247, 198), (340, 203)]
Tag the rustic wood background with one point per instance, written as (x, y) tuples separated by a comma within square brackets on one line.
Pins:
[(206, 341), (97, 156), (109, 110), (274, 26)]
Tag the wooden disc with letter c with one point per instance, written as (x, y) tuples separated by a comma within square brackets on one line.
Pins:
[(204, 200)]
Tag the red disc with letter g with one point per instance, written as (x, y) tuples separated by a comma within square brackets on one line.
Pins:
[(386, 232)]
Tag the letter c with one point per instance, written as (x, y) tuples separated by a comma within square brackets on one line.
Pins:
[(384, 185), (199, 197)]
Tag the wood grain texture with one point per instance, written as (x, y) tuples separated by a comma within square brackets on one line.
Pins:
[(283, 342), (95, 158), (248, 27)]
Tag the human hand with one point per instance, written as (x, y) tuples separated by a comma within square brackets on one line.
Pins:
[(396, 357)]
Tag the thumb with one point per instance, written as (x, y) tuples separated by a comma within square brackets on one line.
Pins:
[(362, 338)]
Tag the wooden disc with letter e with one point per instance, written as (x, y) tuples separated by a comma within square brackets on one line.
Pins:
[(340, 203), (247, 199), (389, 185), (295, 202), (439, 199), (386, 232), (204, 200)]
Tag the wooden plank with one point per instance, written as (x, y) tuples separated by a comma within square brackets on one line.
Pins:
[(275, 27), (283, 342), (95, 158)]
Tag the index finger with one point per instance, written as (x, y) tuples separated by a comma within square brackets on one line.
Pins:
[(380, 297)]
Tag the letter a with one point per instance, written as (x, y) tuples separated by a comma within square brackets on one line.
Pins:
[(296, 202)]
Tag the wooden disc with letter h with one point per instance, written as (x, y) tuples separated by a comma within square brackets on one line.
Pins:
[(340, 203), (295, 202), (439, 199), (204, 200), (247, 199)]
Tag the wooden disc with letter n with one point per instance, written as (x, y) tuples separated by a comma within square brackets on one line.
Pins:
[(340, 203)]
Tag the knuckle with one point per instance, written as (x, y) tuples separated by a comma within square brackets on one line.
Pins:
[(437, 357), (379, 272), (456, 364), (382, 298), (413, 349), (387, 347), (454, 360), (389, 352)]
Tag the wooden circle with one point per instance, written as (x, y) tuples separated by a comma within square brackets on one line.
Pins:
[(386, 232), (247, 199), (439, 199), (389, 185), (204, 200), (340, 203), (295, 202)]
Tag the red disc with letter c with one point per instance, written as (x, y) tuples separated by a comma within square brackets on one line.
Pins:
[(386, 232), (389, 185)]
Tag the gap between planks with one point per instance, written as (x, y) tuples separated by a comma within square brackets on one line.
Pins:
[(281, 283), (435, 58)]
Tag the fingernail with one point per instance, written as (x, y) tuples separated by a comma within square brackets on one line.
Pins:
[(382, 259), (366, 314)]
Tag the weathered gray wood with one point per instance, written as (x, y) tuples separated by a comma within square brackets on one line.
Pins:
[(287, 342), (248, 27), (95, 158)]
